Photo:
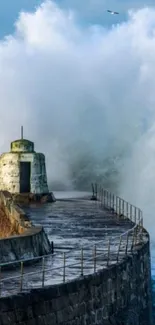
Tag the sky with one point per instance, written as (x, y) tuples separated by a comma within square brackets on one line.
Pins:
[(88, 11), (82, 84)]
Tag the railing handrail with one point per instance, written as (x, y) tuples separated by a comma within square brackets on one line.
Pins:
[(68, 265)]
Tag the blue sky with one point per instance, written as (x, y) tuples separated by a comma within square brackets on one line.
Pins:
[(88, 11)]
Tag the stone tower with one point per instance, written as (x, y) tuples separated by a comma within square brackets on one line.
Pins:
[(23, 170)]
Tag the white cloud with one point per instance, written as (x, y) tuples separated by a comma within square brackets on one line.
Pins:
[(84, 95)]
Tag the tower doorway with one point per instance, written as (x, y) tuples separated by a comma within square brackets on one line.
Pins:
[(25, 174)]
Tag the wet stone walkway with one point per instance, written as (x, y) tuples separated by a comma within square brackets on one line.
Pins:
[(72, 224)]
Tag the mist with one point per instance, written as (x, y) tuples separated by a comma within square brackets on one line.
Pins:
[(85, 96)]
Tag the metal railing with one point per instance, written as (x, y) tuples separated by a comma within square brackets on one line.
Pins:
[(117, 205), (88, 259)]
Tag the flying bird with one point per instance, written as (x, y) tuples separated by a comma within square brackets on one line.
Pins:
[(113, 12)]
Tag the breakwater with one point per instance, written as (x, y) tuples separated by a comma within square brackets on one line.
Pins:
[(110, 286)]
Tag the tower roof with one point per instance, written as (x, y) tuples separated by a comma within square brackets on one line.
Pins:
[(22, 145)]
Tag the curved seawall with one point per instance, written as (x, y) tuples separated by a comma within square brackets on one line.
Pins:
[(114, 286), (29, 241), (118, 295)]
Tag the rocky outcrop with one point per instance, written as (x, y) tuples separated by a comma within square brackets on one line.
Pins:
[(16, 216), (27, 241)]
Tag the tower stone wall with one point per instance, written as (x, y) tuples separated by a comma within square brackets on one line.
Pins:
[(23, 170)]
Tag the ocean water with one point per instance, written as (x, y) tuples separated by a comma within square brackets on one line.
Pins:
[(153, 274)]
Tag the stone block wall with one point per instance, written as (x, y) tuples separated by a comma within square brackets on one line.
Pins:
[(10, 172), (32, 243), (118, 295)]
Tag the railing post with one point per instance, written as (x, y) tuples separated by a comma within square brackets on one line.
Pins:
[(43, 271), (107, 196), (133, 240), (64, 267), (110, 200), (123, 207), (113, 203), (116, 205), (119, 204), (94, 254), (93, 189), (141, 234), (52, 247), (142, 221), (102, 197), (108, 259), (100, 193), (82, 261), (107, 199), (135, 216), (127, 209), (96, 190), (130, 212), (127, 241), (139, 218), (136, 235), (21, 276), (119, 247)]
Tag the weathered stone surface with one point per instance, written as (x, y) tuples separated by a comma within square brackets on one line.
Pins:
[(9, 318)]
